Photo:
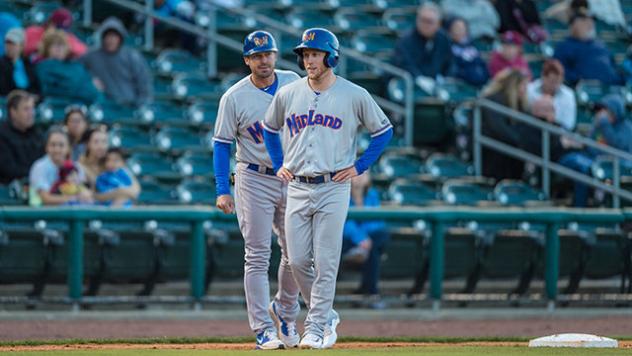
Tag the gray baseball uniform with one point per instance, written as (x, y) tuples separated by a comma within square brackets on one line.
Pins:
[(259, 199), (319, 138)]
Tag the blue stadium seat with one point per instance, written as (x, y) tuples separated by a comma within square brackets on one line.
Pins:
[(399, 20), (41, 11), (195, 164), (170, 62), (466, 192), (352, 19), (9, 196), (110, 113), (603, 168), (52, 111), (304, 18), (131, 139), (154, 193), (196, 192), (162, 113), (154, 165), (373, 43), (178, 139), (203, 113), (591, 91), (400, 163), (442, 167), (196, 86), (517, 193), (412, 192)]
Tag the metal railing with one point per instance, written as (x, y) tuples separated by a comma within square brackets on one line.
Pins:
[(544, 161), (279, 29), (437, 218)]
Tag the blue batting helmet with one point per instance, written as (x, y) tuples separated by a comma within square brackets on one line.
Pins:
[(259, 41), (319, 39)]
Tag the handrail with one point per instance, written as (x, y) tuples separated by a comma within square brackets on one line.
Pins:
[(544, 161)]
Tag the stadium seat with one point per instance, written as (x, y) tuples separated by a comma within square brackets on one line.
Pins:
[(465, 192), (396, 4), (192, 164), (352, 19), (170, 62), (153, 164), (412, 192), (517, 193), (162, 113), (177, 140), (131, 139), (110, 113), (304, 18), (203, 113), (441, 167), (455, 90), (591, 91), (404, 253), (196, 192), (399, 20), (196, 86), (400, 164), (8, 196), (373, 43), (154, 193), (603, 168), (162, 88), (3, 108), (52, 111), (40, 12)]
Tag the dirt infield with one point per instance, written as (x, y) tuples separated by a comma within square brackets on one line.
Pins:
[(249, 346), (16, 330)]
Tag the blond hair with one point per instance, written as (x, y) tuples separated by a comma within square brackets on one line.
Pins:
[(507, 82), (52, 37)]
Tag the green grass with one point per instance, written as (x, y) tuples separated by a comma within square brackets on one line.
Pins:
[(442, 351)]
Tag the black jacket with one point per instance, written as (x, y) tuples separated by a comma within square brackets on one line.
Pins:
[(508, 20), (420, 56), (18, 151), (6, 76)]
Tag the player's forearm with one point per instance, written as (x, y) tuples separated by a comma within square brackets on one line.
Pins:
[(373, 152), (274, 147), (221, 166)]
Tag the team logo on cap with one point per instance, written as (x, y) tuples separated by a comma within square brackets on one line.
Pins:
[(309, 36), (261, 41)]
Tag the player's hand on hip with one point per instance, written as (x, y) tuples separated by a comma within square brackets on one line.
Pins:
[(285, 174), (345, 174), (225, 203)]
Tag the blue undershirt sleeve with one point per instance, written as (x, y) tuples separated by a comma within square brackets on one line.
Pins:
[(375, 149), (275, 149), (221, 165)]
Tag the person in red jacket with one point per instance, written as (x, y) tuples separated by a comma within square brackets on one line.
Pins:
[(59, 19), (509, 55)]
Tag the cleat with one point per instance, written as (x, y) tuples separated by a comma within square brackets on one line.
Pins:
[(330, 331), (268, 340), (286, 331), (311, 341)]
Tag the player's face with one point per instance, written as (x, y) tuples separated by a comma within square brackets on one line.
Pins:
[(261, 64), (314, 62)]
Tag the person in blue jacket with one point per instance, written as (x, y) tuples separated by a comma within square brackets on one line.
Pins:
[(469, 66), (364, 241)]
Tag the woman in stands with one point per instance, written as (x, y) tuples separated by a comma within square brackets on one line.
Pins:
[(59, 75), (76, 124), (508, 88), (93, 160), (45, 173)]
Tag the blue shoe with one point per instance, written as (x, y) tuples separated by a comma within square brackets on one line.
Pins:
[(286, 330), (268, 340)]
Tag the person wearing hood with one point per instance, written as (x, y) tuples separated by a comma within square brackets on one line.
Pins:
[(121, 71), (584, 56), (611, 128)]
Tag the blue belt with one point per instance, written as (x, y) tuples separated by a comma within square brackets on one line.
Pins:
[(315, 180), (261, 169)]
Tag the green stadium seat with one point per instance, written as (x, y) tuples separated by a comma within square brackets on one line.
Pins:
[(3, 108), (399, 20), (203, 113), (41, 11), (400, 164), (195, 164), (177, 140), (154, 193), (373, 43), (456, 90), (131, 139), (196, 192), (162, 88), (352, 19), (154, 165), (465, 192), (403, 255), (603, 168), (591, 91), (110, 113), (412, 192), (517, 193), (440, 166), (196, 86), (23, 255), (396, 4), (52, 111), (8, 196), (170, 62), (304, 18), (162, 113)]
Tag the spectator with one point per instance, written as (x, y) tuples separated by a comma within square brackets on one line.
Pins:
[(608, 11), (520, 16), (543, 108), (46, 171), (425, 51), (611, 128), (480, 15), (61, 77), (469, 66), (627, 66), (364, 241), (70, 185), (584, 56), (167, 35), (76, 124), (16, 71), (551, 84), (20, 142), (96, 143), (121, 71), (508, 88), (8, 21), (116, 176), (509, 56), (60, 19)]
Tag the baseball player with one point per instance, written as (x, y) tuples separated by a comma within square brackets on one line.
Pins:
[(320, 115), (259, 195)]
